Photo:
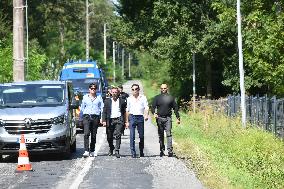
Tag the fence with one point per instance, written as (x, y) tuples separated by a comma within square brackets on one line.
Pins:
[(264, 112)]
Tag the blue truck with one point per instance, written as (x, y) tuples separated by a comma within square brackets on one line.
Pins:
[(82, 73)]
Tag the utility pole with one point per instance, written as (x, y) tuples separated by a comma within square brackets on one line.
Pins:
[(87, 30), (193, 80), (18, 41), (27, 41), (105, 53), (129, 61), (241, 66), (122, 63), (113, 59)]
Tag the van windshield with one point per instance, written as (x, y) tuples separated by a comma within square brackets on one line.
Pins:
[(82, 85), (31, 95)]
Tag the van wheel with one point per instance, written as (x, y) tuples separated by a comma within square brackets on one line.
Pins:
[(73, 146), (67, 153), (1, 158)]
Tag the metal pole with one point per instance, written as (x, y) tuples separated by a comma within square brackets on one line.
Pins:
[(129, 61), (241, 66), (122, 63), (193, 80), (113, 58), (105, 54), (27, 41), (18, 41), (87, 30)]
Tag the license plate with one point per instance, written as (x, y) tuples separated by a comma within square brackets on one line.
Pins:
[(29, 140)]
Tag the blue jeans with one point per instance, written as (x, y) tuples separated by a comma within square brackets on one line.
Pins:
[(136, 121)]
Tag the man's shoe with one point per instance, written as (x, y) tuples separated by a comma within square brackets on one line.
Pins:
[(92, 154), (162, 154), (110, 152), (171, 154), (86, 154), (141, 154), (117, 154), (133, 155)]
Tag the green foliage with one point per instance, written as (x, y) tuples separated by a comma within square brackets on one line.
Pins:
[(36, 62), (6, 60), (172, 30), (59, 29)]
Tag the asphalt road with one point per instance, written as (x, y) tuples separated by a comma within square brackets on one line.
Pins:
[(103, 171)]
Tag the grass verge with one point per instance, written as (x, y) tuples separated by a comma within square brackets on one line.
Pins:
[(225, 155)]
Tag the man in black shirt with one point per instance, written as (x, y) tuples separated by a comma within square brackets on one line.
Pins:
[(124, 96), (162, 107)]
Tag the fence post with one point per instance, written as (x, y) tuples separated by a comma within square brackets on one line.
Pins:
[(266, 113), (274, 115)]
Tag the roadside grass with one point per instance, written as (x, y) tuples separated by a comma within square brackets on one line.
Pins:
[(151, 89), (223, 153)]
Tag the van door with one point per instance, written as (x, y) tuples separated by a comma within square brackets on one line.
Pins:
[(71, 118)]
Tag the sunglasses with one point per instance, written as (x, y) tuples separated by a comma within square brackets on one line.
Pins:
[(93, 88), (163, 88), (135, 89)]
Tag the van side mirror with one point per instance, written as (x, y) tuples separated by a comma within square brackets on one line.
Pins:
[(74, 104)]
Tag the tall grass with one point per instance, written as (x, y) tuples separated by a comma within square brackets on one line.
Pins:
[(223, 153), (227, 156)]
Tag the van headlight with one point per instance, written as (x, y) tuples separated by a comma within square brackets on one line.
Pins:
[(58, 120)]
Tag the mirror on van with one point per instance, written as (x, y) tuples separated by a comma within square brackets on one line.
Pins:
[(74, 104)]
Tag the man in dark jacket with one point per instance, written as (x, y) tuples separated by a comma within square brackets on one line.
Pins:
[(123, 95), (113, 118), (162, 107)]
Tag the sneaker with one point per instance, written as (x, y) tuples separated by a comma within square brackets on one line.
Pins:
[(117, 154), (171, 154), (92, 154), (110, 152), (86, 154), (162, 154)]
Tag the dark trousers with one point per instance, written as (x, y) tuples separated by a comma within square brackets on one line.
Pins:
[(165, 123), (91, 124), (136, 121), (114, 130)]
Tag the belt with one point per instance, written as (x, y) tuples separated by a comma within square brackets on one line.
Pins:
[(115, 118), (90, 115), (136, 115), (164, 116)]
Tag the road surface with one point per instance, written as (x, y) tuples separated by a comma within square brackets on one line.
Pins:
[(103, 171)]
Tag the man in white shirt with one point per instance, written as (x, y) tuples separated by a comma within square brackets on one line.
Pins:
[(136, 112)]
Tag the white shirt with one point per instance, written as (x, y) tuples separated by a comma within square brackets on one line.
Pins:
[(136, 106), (115, 110)]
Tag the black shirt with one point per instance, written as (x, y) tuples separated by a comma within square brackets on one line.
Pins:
[(124, 95), (164, 103)]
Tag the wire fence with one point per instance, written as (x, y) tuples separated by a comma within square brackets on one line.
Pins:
[(265, 112)]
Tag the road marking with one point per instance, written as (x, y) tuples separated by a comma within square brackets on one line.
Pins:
[(83, 165), (80, 176)]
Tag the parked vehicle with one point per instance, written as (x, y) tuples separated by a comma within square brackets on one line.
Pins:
[(82, 73), (43, 112)]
